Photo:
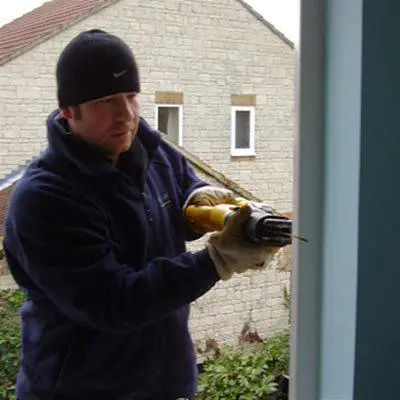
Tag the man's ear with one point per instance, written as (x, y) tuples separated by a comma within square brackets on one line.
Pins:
[(66, 112)]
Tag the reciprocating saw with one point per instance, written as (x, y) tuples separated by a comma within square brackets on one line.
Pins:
[(264, 225)]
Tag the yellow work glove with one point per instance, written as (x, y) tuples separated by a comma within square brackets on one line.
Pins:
[(232, 252)]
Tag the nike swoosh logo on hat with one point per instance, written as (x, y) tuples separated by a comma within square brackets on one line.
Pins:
[(118, 74)]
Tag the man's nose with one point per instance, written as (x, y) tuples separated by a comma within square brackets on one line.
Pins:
[(124, 109)]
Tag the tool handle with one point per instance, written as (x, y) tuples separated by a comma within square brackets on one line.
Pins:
[(211, 218)]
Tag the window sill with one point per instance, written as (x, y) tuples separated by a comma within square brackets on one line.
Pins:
[(249, 153)]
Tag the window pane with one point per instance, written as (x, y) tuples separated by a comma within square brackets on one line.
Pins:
[(168, 122), (242, 134)]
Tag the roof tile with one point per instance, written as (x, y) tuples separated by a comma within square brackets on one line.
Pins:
[(42, 21), (5, 196)]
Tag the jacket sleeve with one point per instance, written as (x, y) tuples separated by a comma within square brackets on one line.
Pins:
[(64, 250), (190, 182)]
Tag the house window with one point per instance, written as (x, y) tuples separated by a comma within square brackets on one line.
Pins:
[(169, 120), (242, 131), (169, 115)]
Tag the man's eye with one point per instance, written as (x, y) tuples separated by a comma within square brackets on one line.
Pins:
[(103, 101)]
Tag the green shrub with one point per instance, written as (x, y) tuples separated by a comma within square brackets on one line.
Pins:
[(10, 343), (246, 374), (276, 352), (236, 376)]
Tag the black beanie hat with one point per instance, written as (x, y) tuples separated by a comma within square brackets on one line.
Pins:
[(95, 64)]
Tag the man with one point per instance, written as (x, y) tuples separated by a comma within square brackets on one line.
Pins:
[(96, 234)]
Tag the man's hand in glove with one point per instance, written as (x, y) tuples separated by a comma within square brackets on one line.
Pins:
[(232, 252), (208, 196)]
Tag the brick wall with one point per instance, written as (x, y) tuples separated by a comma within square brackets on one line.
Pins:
[(207, 50)]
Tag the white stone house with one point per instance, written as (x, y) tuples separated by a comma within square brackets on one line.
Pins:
[(216, 78)]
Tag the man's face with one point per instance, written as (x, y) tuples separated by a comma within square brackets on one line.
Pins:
[(110, 123)]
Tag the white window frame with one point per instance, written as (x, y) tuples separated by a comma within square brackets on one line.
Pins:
[(180, 107), (250, 151)]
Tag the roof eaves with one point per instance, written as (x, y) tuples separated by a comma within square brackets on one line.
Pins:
[(266, 23), (56, 31), (213, 173), (10, 179)]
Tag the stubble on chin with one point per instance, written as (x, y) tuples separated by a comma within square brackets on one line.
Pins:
[(135, 126)]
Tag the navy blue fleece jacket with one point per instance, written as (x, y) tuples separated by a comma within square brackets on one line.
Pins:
[(101, 253)]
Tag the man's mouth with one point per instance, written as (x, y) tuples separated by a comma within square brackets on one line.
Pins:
[(120, 134)]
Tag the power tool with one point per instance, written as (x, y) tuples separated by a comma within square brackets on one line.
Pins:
[(263, 226)]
